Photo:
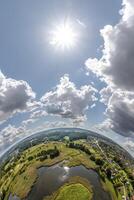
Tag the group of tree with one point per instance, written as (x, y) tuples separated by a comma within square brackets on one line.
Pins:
[(80, 147), (98, 161), (44, 154)]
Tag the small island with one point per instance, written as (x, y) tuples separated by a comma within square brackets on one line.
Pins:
[(77, 188)]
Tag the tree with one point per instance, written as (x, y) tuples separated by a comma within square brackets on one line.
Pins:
[(99, 161), (108, 173), (30, 158), (92, 158)]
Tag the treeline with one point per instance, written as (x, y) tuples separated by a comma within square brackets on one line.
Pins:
[(44, 154), (83, 148), (80, 147)]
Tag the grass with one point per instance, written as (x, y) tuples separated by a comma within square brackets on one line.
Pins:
[(108, 186), (22, 183), (74, 191)]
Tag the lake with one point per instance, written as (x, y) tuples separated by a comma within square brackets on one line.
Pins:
[(51, 178)]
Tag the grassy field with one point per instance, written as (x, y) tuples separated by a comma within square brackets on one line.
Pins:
[(74, 191)]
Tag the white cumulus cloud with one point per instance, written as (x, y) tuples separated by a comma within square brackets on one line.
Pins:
[(116, 68), (67, 101), (15, 96)]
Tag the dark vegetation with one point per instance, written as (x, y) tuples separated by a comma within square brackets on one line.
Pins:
[(44, 154)]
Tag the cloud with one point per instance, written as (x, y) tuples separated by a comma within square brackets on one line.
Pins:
[(105, 94), (38, 113), (67, 101), (81, 23), (120, 112), (28, 121), (129, 145), (15, 96), (11, 134), (117, 62), (116, 69), (53, 124)]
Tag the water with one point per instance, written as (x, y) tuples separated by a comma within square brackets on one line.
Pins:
[(51, 178), (11, 197)]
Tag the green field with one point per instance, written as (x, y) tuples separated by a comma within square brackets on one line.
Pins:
[(74, 191)]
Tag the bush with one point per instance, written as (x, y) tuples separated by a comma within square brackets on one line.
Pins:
[(30, 158), (43, 158), (92, 158), (99, 161), (54, 154)]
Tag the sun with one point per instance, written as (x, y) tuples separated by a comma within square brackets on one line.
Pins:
[(63, 36)]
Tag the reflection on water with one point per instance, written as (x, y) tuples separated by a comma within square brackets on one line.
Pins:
[(51, 178), (11, 197)]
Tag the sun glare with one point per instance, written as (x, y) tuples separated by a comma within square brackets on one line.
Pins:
[(63, 36)]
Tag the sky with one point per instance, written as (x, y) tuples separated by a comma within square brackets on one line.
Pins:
[(67, 63)]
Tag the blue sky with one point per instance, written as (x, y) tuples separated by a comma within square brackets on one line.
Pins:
[(26, 54), (25, 47)]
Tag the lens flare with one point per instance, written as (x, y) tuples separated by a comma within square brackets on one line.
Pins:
[(63, 36)]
